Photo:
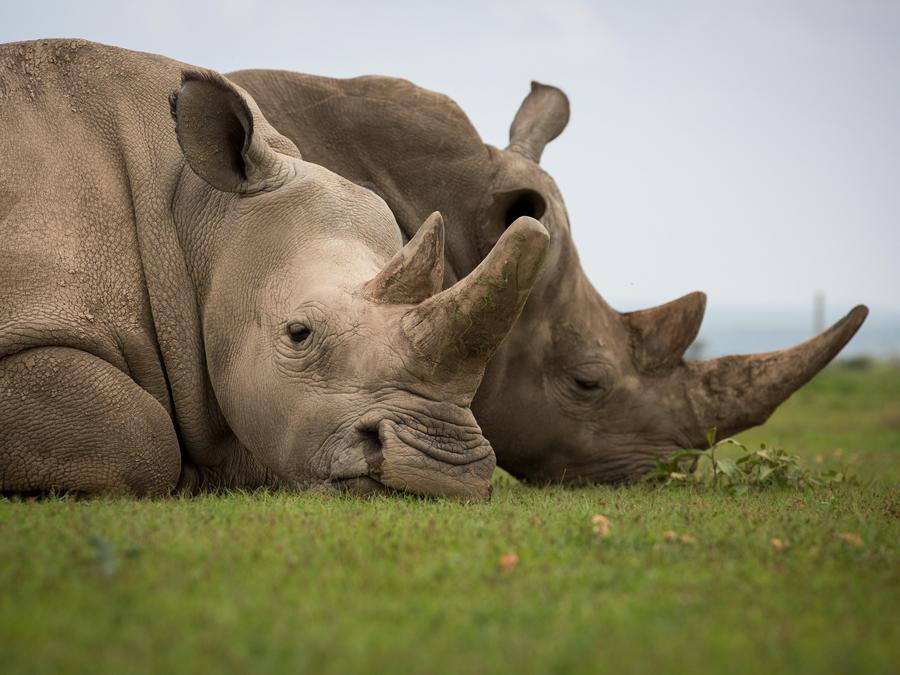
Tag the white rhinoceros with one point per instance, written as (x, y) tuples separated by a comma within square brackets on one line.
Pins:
[(190, 304)]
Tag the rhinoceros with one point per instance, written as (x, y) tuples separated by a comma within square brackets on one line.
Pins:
[(578, 392), (189, 304)]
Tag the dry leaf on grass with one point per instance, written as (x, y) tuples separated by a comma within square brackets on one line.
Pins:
[(851, 539), (601, 525), (508, 561)]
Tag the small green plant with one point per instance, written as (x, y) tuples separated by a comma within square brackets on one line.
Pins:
[(763, 468)]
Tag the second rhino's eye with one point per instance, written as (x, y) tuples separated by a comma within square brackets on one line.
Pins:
[(587, 384), (298, 332), (591, 380)]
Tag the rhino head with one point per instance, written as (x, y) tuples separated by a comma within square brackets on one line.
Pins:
[(334, 355), (578, 392), (599, 395)]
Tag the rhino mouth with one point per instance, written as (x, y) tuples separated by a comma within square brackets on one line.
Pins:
[(445, 456)]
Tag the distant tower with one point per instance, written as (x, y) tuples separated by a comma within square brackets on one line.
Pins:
[(818, 312)]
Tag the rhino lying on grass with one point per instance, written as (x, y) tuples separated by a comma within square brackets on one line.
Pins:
[(191, 304), (578, 392)]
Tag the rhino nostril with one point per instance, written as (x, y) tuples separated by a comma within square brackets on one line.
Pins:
[(372, 448)]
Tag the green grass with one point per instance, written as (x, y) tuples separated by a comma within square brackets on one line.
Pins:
[(847, 417), (274, 583)]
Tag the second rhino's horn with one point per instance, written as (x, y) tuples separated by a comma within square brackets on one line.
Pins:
[(662, 334), (458, 329), (416, 271)]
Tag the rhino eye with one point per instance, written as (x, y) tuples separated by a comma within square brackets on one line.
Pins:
[(587, 384), (591, 381), (298, 333)]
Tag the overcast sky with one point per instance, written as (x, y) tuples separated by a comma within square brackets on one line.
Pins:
[(748, 149)]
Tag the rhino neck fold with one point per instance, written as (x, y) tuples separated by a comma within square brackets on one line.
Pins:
[(205, 438)]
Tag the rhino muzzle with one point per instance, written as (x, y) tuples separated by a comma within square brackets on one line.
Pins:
[(440, 453)]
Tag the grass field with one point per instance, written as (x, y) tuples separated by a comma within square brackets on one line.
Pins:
[(280, 583)]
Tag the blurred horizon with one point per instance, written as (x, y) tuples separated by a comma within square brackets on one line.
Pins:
[(747, 149), (744, 330)]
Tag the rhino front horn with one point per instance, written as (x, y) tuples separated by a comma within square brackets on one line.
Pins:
[(734, 393), (458, 329), (416, 271)]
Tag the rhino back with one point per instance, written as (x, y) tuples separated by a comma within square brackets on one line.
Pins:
[(415, 148), (78, 149)]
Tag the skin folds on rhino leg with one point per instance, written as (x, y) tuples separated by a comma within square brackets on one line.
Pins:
[(71, 421)]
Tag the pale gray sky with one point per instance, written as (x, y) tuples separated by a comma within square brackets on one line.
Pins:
[(748, 149)]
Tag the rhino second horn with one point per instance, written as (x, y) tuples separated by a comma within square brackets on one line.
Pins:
[(662, 334), (542, 117), (416, 272), (459, 328), (734, 393)]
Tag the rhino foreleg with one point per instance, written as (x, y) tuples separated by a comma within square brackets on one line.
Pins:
[(71, 421)]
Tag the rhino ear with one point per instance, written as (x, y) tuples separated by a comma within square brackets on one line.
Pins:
[(542, 117), (215, 129)]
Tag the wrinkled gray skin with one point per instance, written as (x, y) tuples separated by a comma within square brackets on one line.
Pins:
[(187, 303), (578, 392)]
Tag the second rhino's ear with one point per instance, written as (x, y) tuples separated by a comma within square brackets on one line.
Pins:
[(215, 129), (542, 116)]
